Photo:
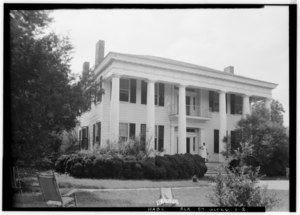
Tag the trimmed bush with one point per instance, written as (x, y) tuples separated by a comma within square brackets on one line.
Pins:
[(183, 166)]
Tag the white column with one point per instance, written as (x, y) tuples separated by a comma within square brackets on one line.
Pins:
[(172, 142), (182, 121), (223, 123), (114, 108), (228, 103), (150, 116), (201, 140), (246, 105), (268, 104)]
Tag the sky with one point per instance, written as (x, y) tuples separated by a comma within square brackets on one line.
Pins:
[(254, 41)]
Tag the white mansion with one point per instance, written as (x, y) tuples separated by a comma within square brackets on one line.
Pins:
[(174, 106)]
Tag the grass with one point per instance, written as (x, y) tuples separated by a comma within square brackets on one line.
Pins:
[(141, 198), (187, 192), (66, 181)]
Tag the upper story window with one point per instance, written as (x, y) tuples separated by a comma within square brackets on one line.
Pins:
[(128, 90), (144, 93), (236, 104), (159, 93), (213, 101)]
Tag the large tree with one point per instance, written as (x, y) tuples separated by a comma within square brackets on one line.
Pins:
[(264, 131), (43, 100)]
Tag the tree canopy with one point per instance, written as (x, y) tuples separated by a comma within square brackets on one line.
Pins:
[(264, 132), (43, 100)]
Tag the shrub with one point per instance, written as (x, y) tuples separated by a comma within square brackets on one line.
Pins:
[(128, 167), (77, 170), (60, 164), (241, 190), (88, 167)]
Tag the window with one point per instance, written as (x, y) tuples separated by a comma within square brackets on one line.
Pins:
[(159, 138), (159, 94), (216, 141), (126, 130), (132, 130), (193, 130), (194, 103), (124, 90), (128, 90), (213, 101), (143, 134), (236, 104), (144, 93)]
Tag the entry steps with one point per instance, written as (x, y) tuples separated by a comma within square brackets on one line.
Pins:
[(214, 167)]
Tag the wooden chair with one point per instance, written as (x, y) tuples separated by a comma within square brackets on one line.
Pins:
[(166, 198), (16, 183), (51, 193)]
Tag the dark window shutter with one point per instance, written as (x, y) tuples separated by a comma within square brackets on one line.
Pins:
[(211, 101), (98, 133), (226, 97), (232, 103), (80, 137), (87, 138), (132, 91), (160, 138), (100, 93), (156, 93), (161, 96), (94, 133), (131, 130), (143, 133), (216, 102), (144, 93), (216, 141)]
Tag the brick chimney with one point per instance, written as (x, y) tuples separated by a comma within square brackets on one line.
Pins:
[(99, 52), (85, 67), (229, 69)]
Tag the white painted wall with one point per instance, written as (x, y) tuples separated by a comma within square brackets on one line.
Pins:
[(136, 113)]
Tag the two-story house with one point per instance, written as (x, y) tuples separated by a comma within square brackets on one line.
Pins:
[(174, 106)]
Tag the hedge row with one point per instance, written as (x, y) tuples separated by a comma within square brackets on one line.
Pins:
[(274, 168), (179, 166)]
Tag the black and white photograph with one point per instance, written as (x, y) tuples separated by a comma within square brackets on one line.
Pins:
[(149, 107)]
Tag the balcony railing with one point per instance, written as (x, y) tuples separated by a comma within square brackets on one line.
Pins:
[(192, 110)]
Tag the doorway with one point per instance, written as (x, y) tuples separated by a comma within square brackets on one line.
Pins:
[(191, 108), (191, 143)]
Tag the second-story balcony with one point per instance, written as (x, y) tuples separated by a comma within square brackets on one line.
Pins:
[(192, 112)]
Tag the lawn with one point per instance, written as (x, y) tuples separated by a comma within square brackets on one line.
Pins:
[(133, 193), (140, 198)]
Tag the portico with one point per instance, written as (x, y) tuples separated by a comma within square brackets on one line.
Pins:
[(195, 97)]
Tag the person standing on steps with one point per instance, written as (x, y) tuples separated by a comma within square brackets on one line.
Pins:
[(204, 152)]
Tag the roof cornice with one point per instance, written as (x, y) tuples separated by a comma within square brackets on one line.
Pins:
[(178, 66)]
